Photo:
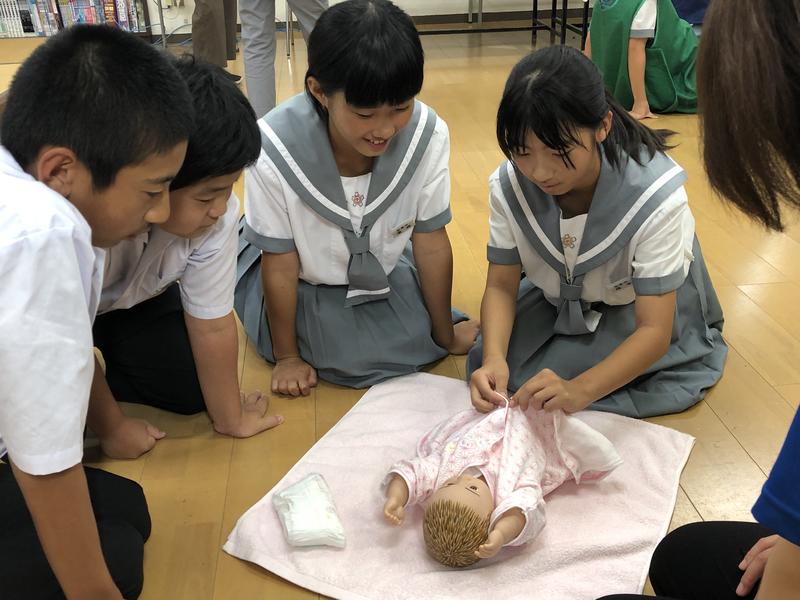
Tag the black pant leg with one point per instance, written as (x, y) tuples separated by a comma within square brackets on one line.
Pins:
[(116, 498), (148, 355), (700, 561), (123, 526)]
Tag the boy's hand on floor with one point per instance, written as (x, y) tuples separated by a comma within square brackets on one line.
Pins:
[(254, 418), (293, 376), (130, 438), (464, 336)]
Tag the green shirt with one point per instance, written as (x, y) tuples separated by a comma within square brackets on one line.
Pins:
[(671, 55)]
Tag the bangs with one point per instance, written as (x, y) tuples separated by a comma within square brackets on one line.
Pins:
[(531, 107), (381, 74)]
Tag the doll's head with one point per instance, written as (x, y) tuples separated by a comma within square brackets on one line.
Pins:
[(456, 521)]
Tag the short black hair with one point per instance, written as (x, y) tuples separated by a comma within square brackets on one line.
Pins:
[(554, 92), (370, 50), (226, 137), (105, 94)]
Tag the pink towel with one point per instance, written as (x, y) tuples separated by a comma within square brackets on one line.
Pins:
[(598, 538)]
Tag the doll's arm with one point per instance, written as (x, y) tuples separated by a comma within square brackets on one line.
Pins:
[(505, 529), (396, 500)]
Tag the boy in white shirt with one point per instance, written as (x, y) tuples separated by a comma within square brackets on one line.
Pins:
[(165, 321), (94, 130)]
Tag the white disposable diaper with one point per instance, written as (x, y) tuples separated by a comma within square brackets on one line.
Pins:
[(308, 514)]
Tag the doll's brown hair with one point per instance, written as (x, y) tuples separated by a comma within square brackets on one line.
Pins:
[(453, 532)]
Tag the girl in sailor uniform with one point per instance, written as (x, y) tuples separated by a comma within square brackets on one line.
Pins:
[(350, 172), (615, 310)]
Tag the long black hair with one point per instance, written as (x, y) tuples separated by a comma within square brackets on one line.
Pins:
[(749, 97), (556, 91), (370, 50)]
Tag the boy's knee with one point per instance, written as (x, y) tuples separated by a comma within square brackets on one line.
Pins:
[(123, 550)]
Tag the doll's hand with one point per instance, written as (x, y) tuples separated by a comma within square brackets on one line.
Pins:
[(130, 438), (293, 376), (491, 546), (641, 110), (464, 335), (394, 511), (548, 391), (487, 386)]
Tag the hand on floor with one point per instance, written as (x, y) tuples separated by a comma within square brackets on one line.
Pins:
[(464, 335), (293, 377), (254, 418), (130, 439), (641, 111)]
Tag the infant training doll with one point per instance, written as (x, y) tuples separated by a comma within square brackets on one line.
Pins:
[(484, 477)]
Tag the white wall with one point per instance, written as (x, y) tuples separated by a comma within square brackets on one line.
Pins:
[(179, 19)]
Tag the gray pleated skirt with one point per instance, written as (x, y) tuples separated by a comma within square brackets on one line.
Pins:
[(678, 380), (354, 347)]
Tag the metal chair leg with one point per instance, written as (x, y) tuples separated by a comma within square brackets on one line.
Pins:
[(564, 7), (585, 24), (289, 32)]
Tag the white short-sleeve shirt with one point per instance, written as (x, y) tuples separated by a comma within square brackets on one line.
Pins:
[(51, 279), (655, 260), (273, 210), (644, 22), (141, 268)]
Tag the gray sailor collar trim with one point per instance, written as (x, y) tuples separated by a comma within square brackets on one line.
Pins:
[(622, 202), (296, 140)]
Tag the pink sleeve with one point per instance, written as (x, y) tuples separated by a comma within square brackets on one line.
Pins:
[(527, 497), (420, 475)]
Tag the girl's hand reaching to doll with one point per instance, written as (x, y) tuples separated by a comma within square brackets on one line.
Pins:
[(548, 391), (488, 385), (293, 376)]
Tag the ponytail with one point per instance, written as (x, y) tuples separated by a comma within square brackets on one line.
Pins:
[(629, 136), (556, 91)]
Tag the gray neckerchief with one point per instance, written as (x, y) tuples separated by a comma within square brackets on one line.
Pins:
[(623, 200), (296, 140)]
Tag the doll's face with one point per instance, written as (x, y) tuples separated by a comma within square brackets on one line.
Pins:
[(469, 491)]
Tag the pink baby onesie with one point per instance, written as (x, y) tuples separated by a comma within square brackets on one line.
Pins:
[(523, 456)]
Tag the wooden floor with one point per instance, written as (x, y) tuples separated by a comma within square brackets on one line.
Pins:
[(199, 483)]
